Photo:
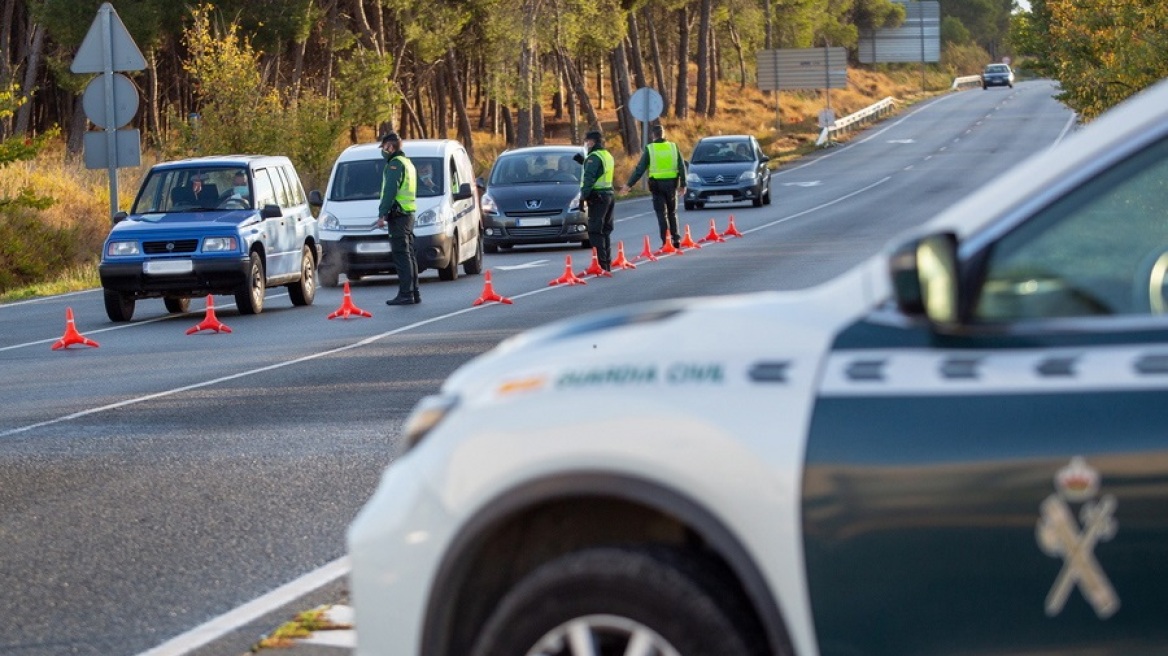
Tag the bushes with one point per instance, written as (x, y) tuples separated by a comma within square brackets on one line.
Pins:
[(32, 250)]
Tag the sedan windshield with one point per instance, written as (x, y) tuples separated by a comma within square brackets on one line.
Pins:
[(714, 152), (532, 168)]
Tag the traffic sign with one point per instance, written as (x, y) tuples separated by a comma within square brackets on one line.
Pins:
[(646, 104), (108, 34), (125, 102), (127, 147)]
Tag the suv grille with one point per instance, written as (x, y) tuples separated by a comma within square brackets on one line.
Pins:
[(175, 246)]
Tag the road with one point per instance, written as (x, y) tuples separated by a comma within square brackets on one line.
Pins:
[(162, 479)]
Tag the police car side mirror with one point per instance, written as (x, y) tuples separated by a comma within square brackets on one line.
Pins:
[(271, 212), (463, 192), (925, 279), (315, 199)]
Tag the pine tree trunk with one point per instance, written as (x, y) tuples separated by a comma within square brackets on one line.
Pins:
[(523, 121), (681, 102), (508, 126), (636, 61), (577, 82), (741, 58), (658, 69), (31, 69), (702, 100), (621, 94), (712, 104), (464, 132)]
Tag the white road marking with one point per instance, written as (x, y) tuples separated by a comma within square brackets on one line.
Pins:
[(526, 265)]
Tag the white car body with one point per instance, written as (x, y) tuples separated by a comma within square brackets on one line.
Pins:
[(711, 435)]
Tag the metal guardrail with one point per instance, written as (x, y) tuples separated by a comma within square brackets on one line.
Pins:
[(968, 80), (871, 112)]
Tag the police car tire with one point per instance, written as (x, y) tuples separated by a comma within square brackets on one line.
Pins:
[(658, 589)]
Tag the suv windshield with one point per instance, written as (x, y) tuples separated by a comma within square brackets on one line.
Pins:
[(361, 179), (711, 152), (194, 190), (534, 168)]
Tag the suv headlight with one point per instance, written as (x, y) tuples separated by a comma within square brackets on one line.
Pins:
[(488, 204), (120, 248), (220, 244), (575, 204), (329, 222), (693, 179), (426, 415), (748, 176)]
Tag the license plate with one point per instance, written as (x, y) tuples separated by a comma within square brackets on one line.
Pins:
[(373, 247), (530, 223), (721, 198), (163, 267)]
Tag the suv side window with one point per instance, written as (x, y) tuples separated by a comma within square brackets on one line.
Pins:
[(1100, 250), (264, 190), (295, 192)]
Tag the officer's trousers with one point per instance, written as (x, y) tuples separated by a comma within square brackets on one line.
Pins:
[(665, 205), (600, 226), (401, 243)]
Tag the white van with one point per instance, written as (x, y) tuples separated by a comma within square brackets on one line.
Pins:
[(447, 223)]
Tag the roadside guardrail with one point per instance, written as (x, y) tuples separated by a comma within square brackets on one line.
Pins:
[(869, 113), (966, 81)]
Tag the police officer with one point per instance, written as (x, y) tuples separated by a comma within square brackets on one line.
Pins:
[(399, 186), (666, 181), (596, 189)]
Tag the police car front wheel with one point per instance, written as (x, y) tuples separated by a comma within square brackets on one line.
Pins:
[(651, 600)]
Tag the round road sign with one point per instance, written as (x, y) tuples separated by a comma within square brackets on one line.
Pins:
[(125, 101)]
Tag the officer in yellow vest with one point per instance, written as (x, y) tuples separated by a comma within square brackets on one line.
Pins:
[(596, 190), (399, 185), (666, 181)]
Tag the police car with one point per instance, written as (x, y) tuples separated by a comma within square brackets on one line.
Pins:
[(960, 447)]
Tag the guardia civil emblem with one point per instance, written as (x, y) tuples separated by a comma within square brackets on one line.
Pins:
[(1062, 535)]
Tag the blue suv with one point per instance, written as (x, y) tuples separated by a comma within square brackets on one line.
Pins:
[(212, 225)]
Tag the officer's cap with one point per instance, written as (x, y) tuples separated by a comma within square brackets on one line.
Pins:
[(390, 138)]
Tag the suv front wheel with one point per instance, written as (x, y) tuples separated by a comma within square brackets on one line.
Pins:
[(249, 298), (118, 306)]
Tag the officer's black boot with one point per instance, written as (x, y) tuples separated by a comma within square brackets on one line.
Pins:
[(404, 299)]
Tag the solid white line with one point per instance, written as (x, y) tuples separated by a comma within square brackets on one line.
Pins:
[(218, 627), (46, 298)]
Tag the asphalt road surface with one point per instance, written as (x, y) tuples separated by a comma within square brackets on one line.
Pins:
[(162, 480)]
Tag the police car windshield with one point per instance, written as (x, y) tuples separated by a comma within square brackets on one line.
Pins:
[(361, 179), (531, 168), (185, 189)]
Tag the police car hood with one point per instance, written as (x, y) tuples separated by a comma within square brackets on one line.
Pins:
[(790, 327), (151, 223)]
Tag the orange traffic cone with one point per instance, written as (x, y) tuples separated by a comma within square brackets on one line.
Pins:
[(646, 253), (621, 262), (687, 241), (489, 294), (569, 278), (595, 269), (669, 248), (71, 335), (347, 308), (731, 231), (713, 235), (209, 322)]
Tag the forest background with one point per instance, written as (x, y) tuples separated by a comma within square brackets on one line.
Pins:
[(306, 78)]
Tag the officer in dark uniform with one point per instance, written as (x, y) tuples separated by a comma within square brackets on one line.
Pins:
[(667, 173), (399, 186), (596, 190)]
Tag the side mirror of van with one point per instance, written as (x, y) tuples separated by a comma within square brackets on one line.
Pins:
[(480, 183), (464, 192), (271, 212), (315, 199)]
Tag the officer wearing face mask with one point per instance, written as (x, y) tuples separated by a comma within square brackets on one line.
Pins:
[(399, 186)]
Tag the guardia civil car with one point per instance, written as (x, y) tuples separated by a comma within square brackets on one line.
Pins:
[(960, 447)]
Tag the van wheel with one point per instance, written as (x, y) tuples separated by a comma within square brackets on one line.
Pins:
[(249, 297), (330, 274), (176, 305), (119, 306), (450, 271), (658, 599), (303, 291), (474, 266)]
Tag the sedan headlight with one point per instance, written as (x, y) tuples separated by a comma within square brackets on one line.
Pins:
[(575, 204), (426, 415), (748, 176), (220, 244), (488, 204), (329, 222), (120, 248)]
